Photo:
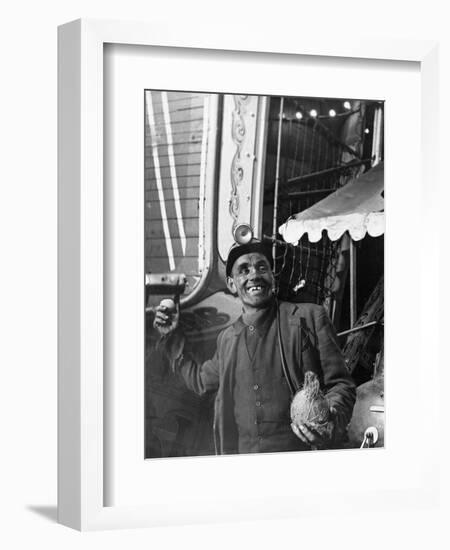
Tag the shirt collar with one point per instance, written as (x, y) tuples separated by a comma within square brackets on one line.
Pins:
[(261, 320)]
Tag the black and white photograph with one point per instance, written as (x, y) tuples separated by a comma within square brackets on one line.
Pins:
[(264, 273)]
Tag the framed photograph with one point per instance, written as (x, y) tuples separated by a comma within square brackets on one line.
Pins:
[(234, 222), (313, 166)]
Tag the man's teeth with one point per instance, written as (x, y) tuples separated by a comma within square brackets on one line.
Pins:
[(254, 288)]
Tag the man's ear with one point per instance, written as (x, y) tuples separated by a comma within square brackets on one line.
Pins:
[(231, 286)]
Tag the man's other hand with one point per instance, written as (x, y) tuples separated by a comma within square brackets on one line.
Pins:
[(316, 437)]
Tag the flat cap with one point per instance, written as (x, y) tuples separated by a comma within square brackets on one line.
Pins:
[(255, 245)]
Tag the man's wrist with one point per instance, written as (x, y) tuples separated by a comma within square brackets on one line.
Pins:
[(173, 345)]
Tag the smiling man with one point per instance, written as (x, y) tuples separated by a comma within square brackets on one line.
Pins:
[(252, 406)]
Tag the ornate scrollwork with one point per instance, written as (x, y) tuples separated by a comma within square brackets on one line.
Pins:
[(238, 131)]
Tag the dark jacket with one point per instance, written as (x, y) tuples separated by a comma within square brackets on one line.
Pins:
[(309, 343)]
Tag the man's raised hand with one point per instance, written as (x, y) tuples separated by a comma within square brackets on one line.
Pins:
[(167, 316)]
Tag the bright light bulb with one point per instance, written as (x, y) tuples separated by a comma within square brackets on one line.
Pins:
[(332, 112), (347, 105), (313, 113), (367, 131), (298, 115)]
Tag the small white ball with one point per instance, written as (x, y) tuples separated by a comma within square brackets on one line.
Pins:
[(169, 304)]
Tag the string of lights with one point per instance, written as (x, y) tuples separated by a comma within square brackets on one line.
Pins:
[(308, 113)]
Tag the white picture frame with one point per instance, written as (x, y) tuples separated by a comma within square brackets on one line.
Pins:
[(81, 479)]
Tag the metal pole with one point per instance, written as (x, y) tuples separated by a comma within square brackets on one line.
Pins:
[(277, 182), (376, 143), (342, 167), (362, 327), (353, 304)]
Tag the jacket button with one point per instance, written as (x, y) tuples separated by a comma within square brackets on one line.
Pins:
[(258, 403), (256, 387)]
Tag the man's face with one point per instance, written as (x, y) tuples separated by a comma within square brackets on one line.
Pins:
[(252, 280)]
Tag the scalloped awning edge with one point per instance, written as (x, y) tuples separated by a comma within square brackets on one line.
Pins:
[(357, 224)]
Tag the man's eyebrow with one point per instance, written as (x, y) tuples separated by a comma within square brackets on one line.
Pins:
[(258, 263)]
